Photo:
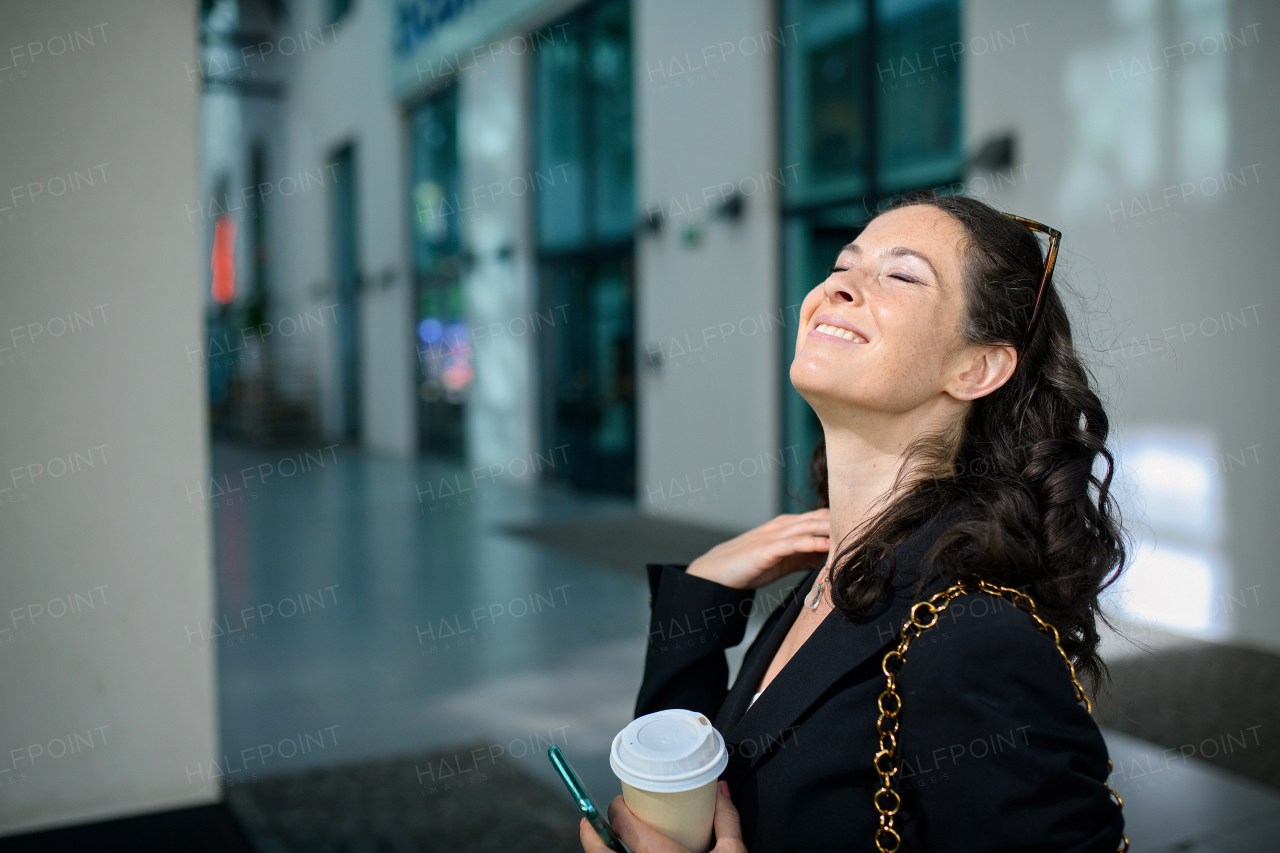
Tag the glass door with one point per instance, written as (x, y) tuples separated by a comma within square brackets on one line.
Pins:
[(346, 276), (446, 366), (870, 109), (585, 214), (588, 368)]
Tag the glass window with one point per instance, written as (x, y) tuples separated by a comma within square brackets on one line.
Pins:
[(338, 9), (826, 125), (917, 73), (585, 220), (435, 202), (609, 66), (345, 242), (584, 149), (561, 179), (446, 366), (588, 368), (870, 108)]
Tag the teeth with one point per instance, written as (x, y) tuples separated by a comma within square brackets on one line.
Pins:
[(838, 332)]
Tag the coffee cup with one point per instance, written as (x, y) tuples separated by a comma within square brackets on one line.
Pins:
[(669, 763)]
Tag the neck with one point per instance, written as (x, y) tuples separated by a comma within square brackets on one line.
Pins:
[(865, 455)]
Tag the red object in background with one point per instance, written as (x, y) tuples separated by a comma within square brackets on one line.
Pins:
[(223, 263)]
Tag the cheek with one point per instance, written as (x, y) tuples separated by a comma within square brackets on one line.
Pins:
[(916, 333), (812, 300), (808, 308)]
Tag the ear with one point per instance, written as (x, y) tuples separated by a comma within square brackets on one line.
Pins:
[(982, 370)]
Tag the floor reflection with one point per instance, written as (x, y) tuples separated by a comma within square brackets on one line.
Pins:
[(417, 623)]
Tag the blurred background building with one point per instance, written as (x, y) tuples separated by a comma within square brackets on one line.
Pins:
[(509, 288), (484, 231)]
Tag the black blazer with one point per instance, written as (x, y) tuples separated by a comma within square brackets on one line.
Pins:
[(995, 752)]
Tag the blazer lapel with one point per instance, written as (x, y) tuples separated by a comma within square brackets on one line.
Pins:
[(760, 655), (836, 646)]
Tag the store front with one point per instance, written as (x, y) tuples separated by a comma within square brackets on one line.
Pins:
[(586, 257), (442, 335)]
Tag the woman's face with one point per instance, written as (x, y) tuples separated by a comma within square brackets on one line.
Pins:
[(882, 333)]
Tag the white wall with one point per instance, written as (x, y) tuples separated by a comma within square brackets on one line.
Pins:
[(1129, 162), (336, 93), (717, 406), (120, 392)]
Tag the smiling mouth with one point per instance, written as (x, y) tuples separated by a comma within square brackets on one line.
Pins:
[(837, 332)]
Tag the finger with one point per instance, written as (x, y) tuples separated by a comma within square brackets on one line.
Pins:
[(808, 543), (803, 543), (727, 822), (801, 536), (783, 526), (619, 814), (820, 512), (819, 526), (798, 563), (628, 827), (782, 520), (788, 559), (802, 560), (822, 518), (812, 527), (788, 517), (591, 842)]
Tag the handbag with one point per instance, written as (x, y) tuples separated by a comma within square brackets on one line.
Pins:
[(924, 615)]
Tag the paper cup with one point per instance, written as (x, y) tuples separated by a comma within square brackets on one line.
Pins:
[(669, 763)]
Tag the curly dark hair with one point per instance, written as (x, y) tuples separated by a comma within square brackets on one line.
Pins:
[(1030, 460)]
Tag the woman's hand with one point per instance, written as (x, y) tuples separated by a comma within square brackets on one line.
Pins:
[(641, 839), (788, 543)]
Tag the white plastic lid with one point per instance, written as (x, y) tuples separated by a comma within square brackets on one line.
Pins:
[(668, 751)]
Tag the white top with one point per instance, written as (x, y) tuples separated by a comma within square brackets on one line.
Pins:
[(757, 694)]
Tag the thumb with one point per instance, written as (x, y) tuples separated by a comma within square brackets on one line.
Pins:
[(727, 822)]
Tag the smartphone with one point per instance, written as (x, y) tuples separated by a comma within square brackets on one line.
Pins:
[(588, 808)]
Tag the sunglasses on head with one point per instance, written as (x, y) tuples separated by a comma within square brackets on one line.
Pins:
[(1055, 236)]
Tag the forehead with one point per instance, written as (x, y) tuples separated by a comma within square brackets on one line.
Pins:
[(918, 221), (922, 228)]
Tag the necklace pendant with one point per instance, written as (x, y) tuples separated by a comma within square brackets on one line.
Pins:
[(817, 597)]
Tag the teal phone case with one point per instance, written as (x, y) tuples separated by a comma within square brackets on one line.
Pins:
[(588, 808)]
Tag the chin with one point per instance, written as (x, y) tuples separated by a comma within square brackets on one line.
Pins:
[(819, 384), (831, 391)]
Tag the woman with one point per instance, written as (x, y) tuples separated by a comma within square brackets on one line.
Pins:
[(962, 442)]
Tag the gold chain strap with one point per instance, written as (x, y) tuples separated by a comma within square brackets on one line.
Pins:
[(924, 614)]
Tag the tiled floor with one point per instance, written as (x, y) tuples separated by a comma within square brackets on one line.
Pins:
[(379, 615), (1172, 804), (540, 645)]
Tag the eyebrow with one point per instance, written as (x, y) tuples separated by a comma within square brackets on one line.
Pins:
[(897, 251)]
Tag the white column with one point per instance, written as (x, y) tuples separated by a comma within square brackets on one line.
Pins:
[(492, 128), (106, 704), (709, 416)]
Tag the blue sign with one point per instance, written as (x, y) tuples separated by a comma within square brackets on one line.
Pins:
[(415, 20)]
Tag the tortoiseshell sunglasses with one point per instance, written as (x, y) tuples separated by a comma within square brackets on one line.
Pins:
[(1055, 236)]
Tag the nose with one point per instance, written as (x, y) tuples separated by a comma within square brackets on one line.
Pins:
[(843, 287)]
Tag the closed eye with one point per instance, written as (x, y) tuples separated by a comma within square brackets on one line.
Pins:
[(898, 276)]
